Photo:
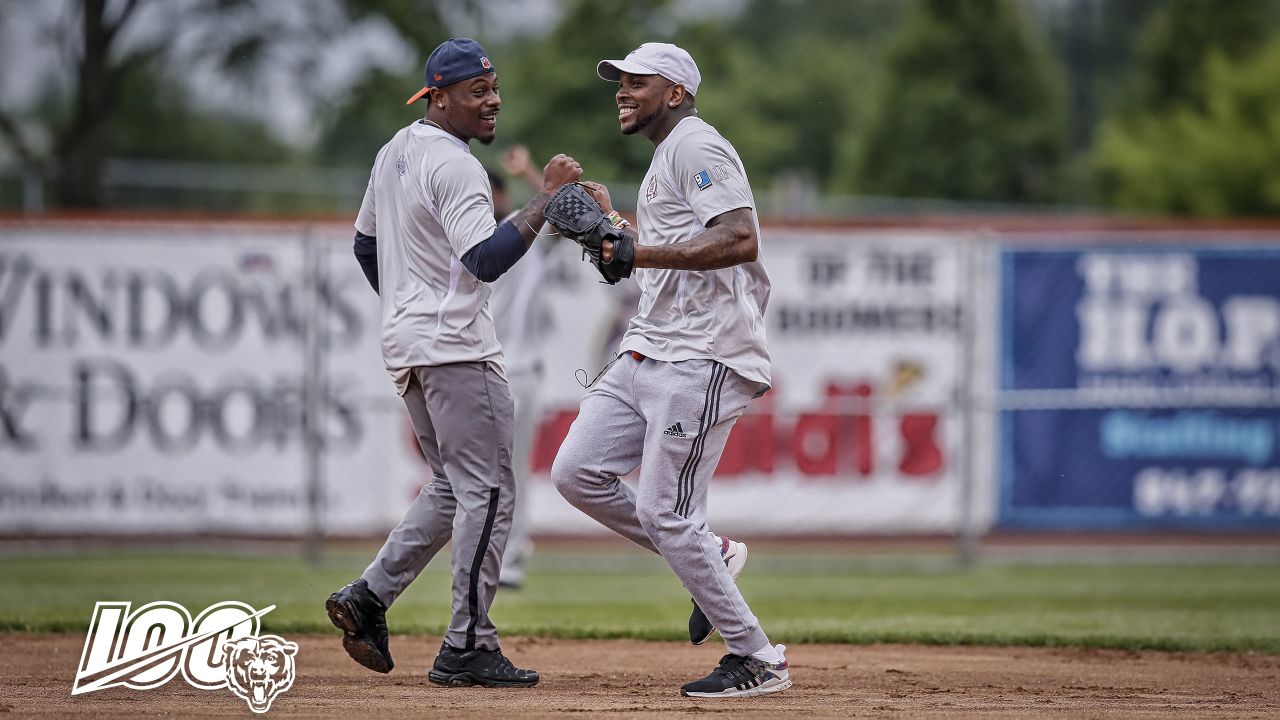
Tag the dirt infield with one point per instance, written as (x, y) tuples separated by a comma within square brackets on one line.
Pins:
[(631, 679)]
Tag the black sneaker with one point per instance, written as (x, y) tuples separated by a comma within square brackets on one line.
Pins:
[(362, 618), (735, 558), (739, 676), (486, 668)]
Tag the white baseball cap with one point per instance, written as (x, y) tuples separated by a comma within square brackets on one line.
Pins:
[(665, 59)]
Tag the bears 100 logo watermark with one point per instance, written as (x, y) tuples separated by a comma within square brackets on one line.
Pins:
[(220, 648)]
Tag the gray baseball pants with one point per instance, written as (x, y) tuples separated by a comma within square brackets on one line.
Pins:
[(670, 419), (462, 414)]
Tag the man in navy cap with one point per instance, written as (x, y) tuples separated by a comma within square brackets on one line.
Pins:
[(428, 241)]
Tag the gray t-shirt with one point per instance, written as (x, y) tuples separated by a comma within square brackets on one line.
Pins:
[(428, 203), (709, 314)]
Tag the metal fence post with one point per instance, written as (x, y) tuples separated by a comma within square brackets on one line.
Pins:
[(967, 535), (314, 389), (32, 191)]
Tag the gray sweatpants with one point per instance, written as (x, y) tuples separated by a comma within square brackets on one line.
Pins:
[(672, 420), (462, 416)]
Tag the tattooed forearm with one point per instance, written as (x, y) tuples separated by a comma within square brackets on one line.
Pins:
[(729, 240), (530, 218)]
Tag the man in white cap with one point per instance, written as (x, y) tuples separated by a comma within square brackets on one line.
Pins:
[(692, 359)]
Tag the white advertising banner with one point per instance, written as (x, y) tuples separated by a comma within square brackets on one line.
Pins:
[(860, 431), (151, 381)]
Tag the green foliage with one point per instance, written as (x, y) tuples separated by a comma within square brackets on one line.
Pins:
[(1179, 39), (788, 83), (782, 80), (373, 110), (970, 108), (554, 102), (367, 117), (417, 21), (148, 101), (1216, 156), (955, 99), (765, 24), (784, 110), (800, 598)]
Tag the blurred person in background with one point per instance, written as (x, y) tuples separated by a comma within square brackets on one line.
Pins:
[(428, 241), (522, 320)]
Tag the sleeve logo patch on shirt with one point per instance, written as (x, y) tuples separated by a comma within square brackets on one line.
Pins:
[(721, 171), (703, 179)]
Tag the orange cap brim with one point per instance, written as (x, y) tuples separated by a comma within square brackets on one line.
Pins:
[(417, 96)]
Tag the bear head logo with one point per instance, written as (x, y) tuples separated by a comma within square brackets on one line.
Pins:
[(259, 669)]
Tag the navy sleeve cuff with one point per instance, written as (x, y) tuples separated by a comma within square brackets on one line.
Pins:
[(366, 252), (496, 254)]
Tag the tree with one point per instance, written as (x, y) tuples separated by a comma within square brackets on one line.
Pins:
[(1179, 39), (1216, 156), (121, 96), (1182, 141), (367, 115), (787, 81), (101, 66), (969, 108), (781, 80), (552, 99)]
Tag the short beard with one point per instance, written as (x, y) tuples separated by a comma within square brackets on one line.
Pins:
[(642, 123)]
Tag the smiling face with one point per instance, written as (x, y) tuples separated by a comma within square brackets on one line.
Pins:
[(642, 99), (470, 108)]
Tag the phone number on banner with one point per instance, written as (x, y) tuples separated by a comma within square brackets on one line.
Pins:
[(1161, 491)]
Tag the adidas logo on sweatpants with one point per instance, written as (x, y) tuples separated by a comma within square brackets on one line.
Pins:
[(675, 431)]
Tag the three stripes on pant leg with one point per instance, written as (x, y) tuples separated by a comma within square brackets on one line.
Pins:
[(710, 416)]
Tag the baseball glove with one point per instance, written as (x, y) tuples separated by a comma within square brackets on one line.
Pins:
[(577, 216)]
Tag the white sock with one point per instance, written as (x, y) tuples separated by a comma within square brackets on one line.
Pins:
[(768, 654)]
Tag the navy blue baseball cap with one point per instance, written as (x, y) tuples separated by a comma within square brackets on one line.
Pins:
[(453, 60)]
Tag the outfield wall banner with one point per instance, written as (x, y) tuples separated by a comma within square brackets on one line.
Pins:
[(1141, 388), (860, 431), (151, 380), (152, 376)]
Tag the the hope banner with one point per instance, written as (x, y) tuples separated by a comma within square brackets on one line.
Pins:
[(1139, 388)]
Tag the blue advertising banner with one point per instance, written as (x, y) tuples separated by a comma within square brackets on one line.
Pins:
[(1141, 388)]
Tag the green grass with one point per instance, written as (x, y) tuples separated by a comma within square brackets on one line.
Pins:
[(1154, 606)]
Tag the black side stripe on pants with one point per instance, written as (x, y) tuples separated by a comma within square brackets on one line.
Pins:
[(473, 594), (710, 413), (695, 449), (715, 418)]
